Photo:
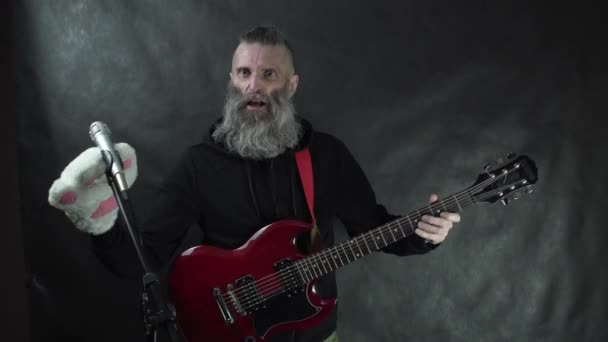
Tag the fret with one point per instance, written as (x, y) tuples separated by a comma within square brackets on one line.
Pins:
[(351, 249), (374, 239), (431, 209), (312, 266), (334, 257), (307, 269), (411, 224), (391, 231), (366, 245), (327, 260), (338, 254), (346, 255), (459, 207), (359, 247), (301, 273), (382, 235), (401, 228), (443, 204), (321, 262)]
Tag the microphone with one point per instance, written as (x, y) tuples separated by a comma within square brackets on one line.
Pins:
[(100, 134)]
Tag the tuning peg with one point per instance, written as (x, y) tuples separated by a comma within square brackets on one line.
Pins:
[(529, 189), (505, 201), (516, 195), (511, 155)]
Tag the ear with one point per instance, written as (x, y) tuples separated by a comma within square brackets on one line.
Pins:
[(293, 84)]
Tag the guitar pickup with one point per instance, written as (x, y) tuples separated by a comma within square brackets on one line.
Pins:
[(291, 279), (253, 298), (235, 300)]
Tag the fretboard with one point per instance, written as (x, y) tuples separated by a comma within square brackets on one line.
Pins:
[(342, 254)]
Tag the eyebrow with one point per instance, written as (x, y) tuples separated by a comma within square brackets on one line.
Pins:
[(271, 69), (243, 68)]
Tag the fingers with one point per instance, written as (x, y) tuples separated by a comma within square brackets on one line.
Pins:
[(454, 217), (429, 228), (434, 238), (436, 229), (436, 221)]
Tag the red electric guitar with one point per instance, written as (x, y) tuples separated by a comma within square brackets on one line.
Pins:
[(268, 286)]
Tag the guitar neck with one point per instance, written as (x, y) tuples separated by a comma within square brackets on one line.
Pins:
[(344, 253)]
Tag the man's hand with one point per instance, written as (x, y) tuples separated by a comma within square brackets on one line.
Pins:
[(436, 229), (83, 193)]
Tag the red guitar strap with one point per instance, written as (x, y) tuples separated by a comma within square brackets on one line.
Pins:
[(305, 170)]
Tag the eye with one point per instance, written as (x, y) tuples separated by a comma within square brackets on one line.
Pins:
[(243, 72), (270, 74)]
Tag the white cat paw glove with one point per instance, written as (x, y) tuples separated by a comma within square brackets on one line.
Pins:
[(83, 193)]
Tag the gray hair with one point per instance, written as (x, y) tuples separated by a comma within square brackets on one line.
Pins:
[(270, 35)]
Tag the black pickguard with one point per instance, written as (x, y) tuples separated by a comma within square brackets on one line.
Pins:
[(283, 308)]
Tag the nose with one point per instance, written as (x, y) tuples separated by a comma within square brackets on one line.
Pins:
[(254, 86)]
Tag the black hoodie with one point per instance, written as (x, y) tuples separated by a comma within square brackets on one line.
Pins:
[(230, 198)]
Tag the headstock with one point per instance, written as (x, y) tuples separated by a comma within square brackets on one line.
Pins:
[(506, 180)]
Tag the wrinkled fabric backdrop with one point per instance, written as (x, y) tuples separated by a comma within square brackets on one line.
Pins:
[(423, 93)]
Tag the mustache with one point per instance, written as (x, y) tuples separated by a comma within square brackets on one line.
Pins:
[(241, 99)]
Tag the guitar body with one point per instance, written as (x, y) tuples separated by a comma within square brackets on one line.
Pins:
[(243, 294)]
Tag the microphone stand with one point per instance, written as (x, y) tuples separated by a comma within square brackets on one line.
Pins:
[(156, 312)]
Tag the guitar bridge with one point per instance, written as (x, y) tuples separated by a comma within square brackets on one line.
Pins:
[(221, 303)]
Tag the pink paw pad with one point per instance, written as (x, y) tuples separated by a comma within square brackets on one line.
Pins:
[(105, 207), (127, 163), (68, 198)]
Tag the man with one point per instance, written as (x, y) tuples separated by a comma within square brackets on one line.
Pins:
[(243, 177)]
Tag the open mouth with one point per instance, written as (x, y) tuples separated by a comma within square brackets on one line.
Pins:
[(256, 105)]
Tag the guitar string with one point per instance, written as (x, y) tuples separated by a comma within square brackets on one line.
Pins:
[(264, 284), (252, 302), (307, 263), (263, 281)]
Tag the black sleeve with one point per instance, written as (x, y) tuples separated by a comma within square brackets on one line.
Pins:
[(358, 210), (175, 209)]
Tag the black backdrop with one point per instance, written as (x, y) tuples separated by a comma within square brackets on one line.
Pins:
[(424, 93)]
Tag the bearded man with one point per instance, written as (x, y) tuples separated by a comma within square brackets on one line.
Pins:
[(244, 176)]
